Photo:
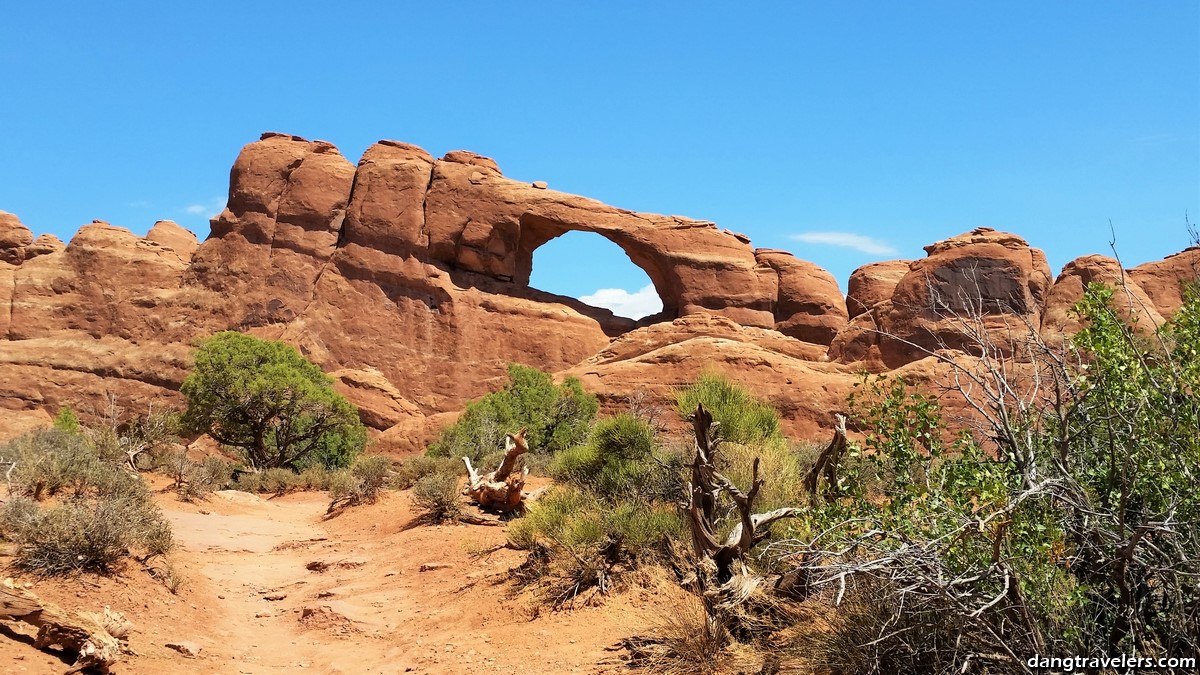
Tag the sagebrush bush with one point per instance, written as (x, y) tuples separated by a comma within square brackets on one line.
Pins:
[(315, 478), (103, 511), (83, 534), (414, 468), (582, 537), (622, 461), (50, 461), (438, 495), (360, 484), (205, 477), (373, 471), (742, 417), (556, 417)]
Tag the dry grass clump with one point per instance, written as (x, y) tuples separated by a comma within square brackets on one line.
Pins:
[(361, 484), (438, 495)]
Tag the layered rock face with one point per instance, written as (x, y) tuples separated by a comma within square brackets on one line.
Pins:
[(406, 278)]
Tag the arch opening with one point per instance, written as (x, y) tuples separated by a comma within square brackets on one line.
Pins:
[(596, 271)]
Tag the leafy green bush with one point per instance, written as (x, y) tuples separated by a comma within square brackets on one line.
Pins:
[(1070, 528), (622, 461), (742, 417), (66, 420), (266, 399), (556, 417)]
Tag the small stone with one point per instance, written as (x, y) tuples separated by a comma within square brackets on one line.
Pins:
[(540, 184), (187, 648), (275, 596)]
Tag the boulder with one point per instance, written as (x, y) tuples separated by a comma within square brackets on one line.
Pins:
[(14, 238), (170, 235), (1058, 318), (810, 305), (45, 244), (1163, 280), (983, 281), (873, 284)]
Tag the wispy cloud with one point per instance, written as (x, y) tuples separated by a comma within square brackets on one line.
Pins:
[(208, 209), (621, 302), (858, 242)]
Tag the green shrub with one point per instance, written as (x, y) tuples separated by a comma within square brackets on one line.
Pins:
[(742, 417), (581, 541), (66, 420), (622, 461), (1069, 527), (438, 495), (556, 417), (266, 399)]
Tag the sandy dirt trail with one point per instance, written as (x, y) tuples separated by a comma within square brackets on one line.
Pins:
[(274, 586)]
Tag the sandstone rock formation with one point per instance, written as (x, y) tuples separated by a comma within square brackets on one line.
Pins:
[(14, 238), (987, 277), (407, 278), (872, 284)]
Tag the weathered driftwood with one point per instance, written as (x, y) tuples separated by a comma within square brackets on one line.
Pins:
[(94, 638), (827, 463), (500, 490), (723, 585), (706, 485)]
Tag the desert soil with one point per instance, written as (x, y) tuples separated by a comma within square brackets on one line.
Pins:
[(274, 586)]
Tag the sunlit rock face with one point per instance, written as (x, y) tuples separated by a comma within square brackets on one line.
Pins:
[(407, 278)]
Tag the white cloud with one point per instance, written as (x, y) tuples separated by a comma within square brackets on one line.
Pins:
[(623, 303), (208, 209), (858, 242)]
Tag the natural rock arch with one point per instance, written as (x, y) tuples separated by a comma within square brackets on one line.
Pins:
[(537, 231)]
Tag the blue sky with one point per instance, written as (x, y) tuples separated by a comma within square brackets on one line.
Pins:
[(844, 132)]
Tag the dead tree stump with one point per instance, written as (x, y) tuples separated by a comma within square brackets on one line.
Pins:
[(94, 638), (500, 490)]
